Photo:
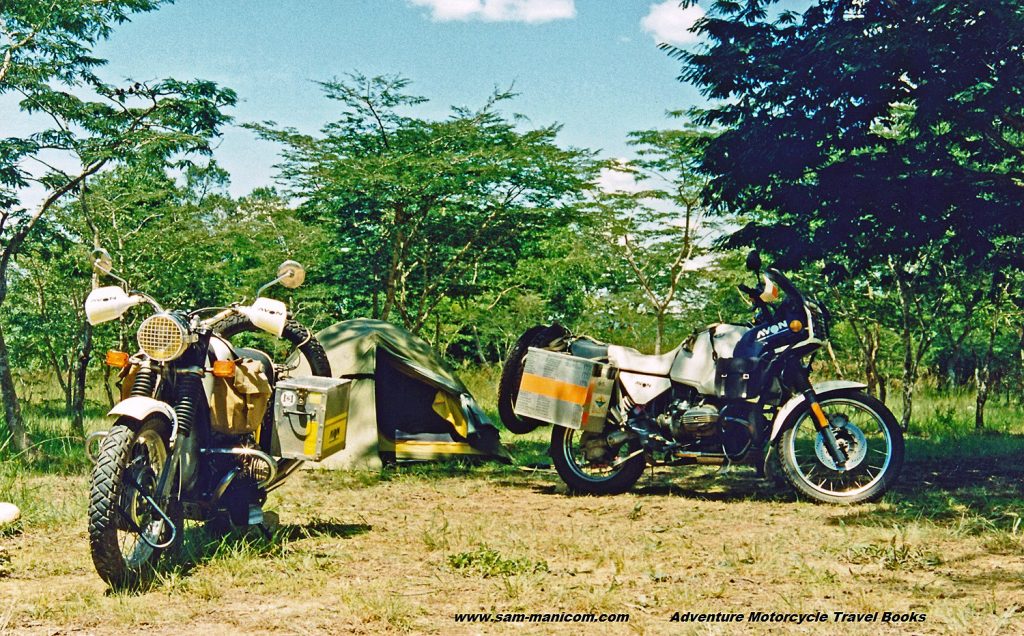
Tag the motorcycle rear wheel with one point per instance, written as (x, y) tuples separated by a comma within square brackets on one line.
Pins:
[(127, 458), (868, 432), (590, 478), (512, 373)]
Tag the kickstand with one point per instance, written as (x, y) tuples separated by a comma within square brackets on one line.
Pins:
[(726, 465)]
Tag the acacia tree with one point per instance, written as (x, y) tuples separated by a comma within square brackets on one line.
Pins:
[(178, 236), (880, 134), (81, 123), (419, 210), (658, 229)]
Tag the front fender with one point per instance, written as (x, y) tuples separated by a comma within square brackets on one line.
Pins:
[(821, 389), (140, 407)]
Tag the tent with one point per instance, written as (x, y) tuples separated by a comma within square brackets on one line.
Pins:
[(405, 403)]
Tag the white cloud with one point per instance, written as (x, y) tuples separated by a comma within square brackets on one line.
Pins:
[(666, 22), (611, 180), (531, 11)]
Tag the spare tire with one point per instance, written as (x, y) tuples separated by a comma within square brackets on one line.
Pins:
[(544, 337)]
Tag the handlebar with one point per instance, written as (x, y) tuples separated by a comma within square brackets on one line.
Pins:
[(749, 291)]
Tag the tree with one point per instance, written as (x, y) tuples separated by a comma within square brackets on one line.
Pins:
[(660, 229), (422, 212), (879, 134), (86, 123), (179, 237)]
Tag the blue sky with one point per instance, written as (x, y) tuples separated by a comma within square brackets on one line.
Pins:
[(592, 65)]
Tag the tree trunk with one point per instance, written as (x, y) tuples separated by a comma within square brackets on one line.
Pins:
[(479, 346), (69, 389), (81, 367), (106, 386), (9, 394), (983, 374), (659, 337), (909, 366)]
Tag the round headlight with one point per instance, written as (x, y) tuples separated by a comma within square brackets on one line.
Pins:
[(163, 337)]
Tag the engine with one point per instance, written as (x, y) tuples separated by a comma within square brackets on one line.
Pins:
[(707, 426), (686, 422)]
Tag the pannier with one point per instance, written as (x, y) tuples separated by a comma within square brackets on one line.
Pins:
[(566, 390), (310, 417)]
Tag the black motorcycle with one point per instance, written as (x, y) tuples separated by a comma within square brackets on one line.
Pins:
[(196, 432)]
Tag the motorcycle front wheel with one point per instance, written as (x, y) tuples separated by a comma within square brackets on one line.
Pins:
[(126, 534), (868, 433), (588, 465)]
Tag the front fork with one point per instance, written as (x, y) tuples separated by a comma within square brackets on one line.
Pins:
[(800, 376)]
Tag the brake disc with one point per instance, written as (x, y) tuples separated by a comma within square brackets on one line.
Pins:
[(850, 439)]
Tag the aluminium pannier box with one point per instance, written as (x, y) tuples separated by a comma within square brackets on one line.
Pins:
[(310, 417), (562, 389)]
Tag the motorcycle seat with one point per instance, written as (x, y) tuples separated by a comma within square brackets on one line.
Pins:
[(629, 359), (590, 349)]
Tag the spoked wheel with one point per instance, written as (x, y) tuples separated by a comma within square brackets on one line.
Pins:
[(865, 430), (127, 534), (588, 464)]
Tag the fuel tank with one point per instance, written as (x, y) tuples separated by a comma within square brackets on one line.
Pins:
[(695, 363)]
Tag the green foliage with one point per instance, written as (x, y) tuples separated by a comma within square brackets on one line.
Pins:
[(656, 237), (184, 241), (487, 562), (868, 125), (423, 212)]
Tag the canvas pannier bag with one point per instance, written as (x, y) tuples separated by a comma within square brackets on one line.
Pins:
[(239, 403)]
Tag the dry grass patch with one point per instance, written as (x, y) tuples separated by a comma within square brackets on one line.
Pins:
[(404, 551)]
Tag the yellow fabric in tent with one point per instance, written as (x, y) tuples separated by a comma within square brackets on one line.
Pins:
[(447, 407)]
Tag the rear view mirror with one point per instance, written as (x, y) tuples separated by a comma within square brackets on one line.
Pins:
[(754, 261), (291, 274), (101, 261)]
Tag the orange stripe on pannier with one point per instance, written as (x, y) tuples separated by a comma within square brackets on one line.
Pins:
[(547, 387)]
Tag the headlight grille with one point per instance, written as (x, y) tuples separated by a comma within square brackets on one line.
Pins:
[(162, 337)]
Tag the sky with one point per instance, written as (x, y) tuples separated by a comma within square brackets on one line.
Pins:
[(591, 65)]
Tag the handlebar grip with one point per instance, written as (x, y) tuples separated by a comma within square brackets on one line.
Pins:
[(750, 291)]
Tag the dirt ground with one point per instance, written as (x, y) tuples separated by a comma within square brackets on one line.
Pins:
[(407, 551)]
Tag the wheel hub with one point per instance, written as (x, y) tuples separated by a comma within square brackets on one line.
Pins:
[(849, 438), (595, 449)]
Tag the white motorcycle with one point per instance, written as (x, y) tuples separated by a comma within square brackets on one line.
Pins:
[(732, 394)]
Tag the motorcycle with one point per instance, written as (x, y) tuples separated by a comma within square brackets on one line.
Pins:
[(195, 435), (732, 394)]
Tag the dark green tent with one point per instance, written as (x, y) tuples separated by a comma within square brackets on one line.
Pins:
[(405, 403)]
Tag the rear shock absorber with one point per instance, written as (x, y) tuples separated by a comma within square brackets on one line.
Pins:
[(189, 386)]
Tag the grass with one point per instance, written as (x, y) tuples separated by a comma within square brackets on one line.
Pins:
[(488, 562), (403, 550)]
